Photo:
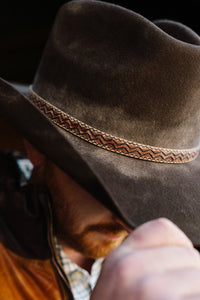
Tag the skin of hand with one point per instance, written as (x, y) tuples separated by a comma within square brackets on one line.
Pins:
[(156, 261)]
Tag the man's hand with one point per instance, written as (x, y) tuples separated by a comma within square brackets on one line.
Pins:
[(156, 262)]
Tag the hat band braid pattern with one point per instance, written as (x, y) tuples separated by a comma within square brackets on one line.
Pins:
[(110, 142)]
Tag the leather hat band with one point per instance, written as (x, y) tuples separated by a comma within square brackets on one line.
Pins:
[(110, 142)]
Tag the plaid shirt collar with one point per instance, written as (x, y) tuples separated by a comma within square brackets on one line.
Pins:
[(81, 282)]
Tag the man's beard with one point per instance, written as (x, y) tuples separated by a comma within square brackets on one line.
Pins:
[(87, 244), (91, 240)]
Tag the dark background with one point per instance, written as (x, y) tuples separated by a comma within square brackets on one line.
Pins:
[(25, 27)]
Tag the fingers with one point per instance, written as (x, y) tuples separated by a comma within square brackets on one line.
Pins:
[(155, 233), (159, 232), (139, 263), (176, 285), (192, 298), (156, 261)]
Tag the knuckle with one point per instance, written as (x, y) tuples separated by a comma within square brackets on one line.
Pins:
[(117, 268), (146, 287), (165, 223), (173, 231), (193, 253), (188, 250), (138, 260), (121, 269), (187, 256), (196, 253), (150, 287), (124, 266)]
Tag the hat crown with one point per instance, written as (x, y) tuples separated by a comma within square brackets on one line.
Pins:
[(122, 74)]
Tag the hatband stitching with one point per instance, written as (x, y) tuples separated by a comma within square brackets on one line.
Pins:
[(109, 142)]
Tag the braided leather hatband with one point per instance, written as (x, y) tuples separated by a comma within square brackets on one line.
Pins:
[(110, 142)]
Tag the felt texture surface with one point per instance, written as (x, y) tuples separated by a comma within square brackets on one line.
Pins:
[(117, 71)]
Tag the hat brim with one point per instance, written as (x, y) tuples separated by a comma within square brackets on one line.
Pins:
[(137, 190), (10, 139)]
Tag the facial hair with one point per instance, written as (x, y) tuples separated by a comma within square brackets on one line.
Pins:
[(68, 222), (88, 243)]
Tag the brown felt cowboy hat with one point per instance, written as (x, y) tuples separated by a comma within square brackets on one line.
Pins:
[(116, 104)]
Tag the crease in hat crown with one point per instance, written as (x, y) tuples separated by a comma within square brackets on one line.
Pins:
[(128, 82)]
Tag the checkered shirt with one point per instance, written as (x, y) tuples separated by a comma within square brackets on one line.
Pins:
[(80, 280)]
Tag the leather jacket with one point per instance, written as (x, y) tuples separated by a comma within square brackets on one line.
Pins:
[(29, 266)]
